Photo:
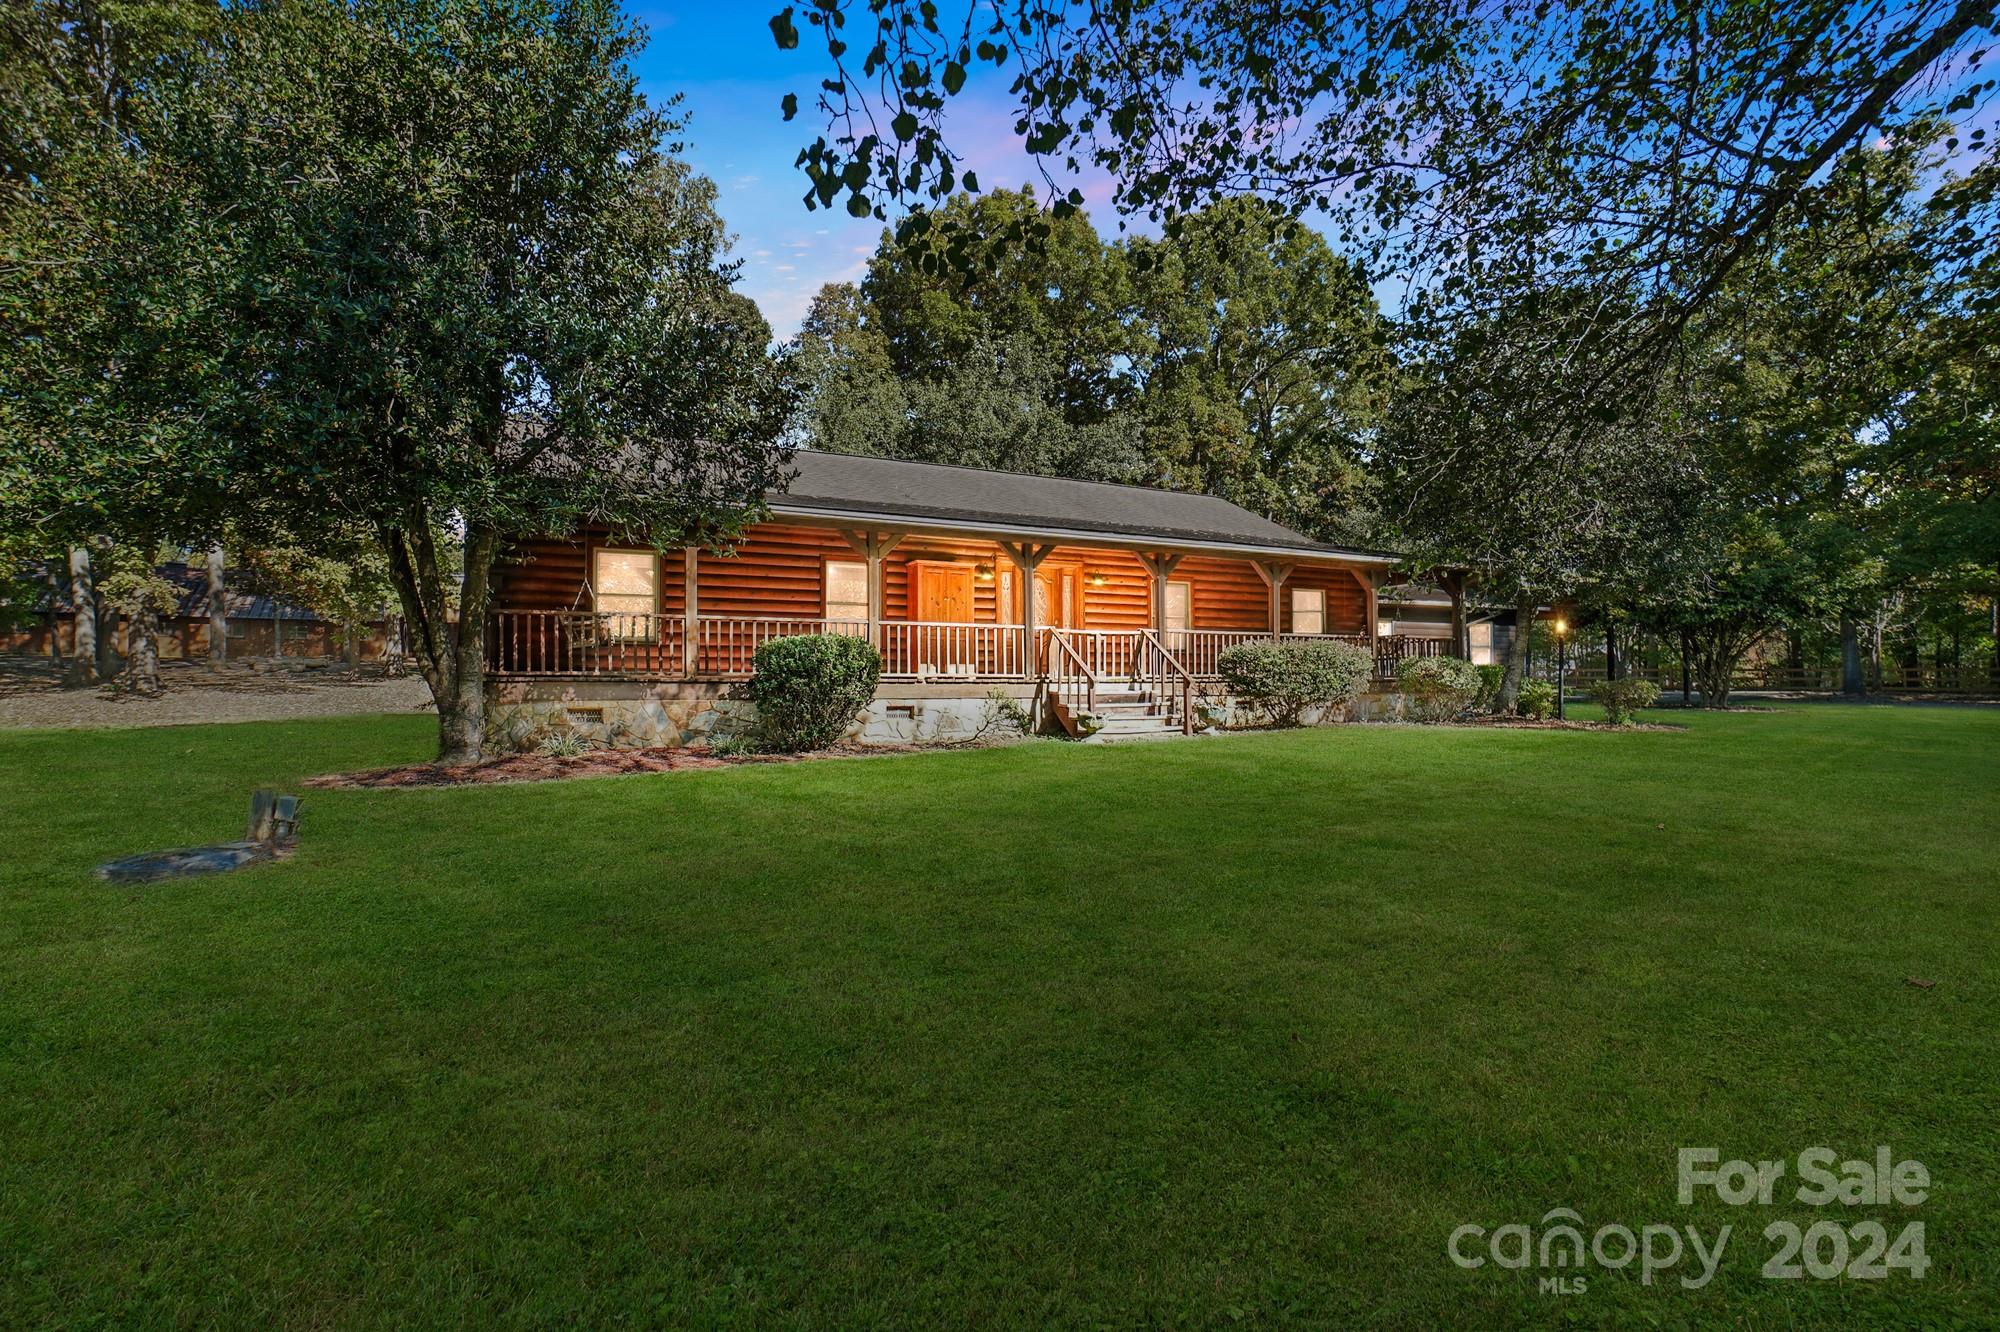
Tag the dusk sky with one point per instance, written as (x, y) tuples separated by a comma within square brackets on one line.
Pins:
[(722, 59)]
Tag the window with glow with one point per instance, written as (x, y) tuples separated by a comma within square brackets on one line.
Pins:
[(1180, 599), (1308, 610), (846, 590), (626, 582), (1481, 642)]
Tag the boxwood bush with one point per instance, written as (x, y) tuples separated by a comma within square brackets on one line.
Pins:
[(1537, 699), (1287, 678), (1439, 688), (1622, 699), (809, 688)]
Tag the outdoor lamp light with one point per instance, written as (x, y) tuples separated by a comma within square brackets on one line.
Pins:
[(1562, 665)]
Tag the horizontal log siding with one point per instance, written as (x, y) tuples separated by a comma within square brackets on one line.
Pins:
[(1226, 594), (776, 571), (1346, 602)]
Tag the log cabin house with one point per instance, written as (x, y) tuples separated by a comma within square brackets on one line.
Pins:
[(1097, 607)]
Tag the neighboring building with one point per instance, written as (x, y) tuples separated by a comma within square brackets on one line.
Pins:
[(259, 626), (1097, 602), (1420, 610)]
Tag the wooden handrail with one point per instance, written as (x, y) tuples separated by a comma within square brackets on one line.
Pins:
[(1062, 681), (1169, 663)]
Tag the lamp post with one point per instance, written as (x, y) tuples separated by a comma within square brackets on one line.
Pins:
[(1562, 665)]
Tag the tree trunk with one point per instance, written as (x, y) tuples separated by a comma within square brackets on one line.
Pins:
[(218, 609), (1687, 695), (83, 635), (451, 655), (51, 574), (106, 637), (1610, 649), (1461, 638), (1517, 655), (353, 652), (1851, 679), (142, 658), (1717, 651)]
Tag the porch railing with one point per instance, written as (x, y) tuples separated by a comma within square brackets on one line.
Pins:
[(585, 643), (924, 650), (635, 646)]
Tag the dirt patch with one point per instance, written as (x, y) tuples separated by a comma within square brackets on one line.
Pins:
[(32, 694), (596, 763)]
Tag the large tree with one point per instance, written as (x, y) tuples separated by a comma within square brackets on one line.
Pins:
[(426, 267), (1263, 365), (1483, 151)]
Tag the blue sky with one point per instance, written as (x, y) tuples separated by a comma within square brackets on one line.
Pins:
[(732, 75)]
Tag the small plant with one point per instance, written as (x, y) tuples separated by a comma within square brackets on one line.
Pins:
[(1622, 699), (809, 688), (1287, 679), (1003, 715), (1490, 678), (734, 746), (1538, 699), (1439, 688), (565, 744)]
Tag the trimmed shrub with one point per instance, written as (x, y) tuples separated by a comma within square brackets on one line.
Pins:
[(1287, 678), (809, 688), (1537, 699), (1489, 687), (1622, 699), (1439, 688)]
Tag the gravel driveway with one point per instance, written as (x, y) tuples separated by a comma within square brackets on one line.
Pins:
[(31, 694)]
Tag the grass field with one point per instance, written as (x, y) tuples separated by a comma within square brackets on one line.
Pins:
[(1232, 1030)]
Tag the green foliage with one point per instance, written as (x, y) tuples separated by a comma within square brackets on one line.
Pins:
[(1622, 700), (1538, 700), (1287, 679), (1489, 154), (1238, 356), (1439, 688), (408, 266), (1489, 687), (809, 688)]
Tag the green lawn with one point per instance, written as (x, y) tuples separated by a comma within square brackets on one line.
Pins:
[(1183, 1034)]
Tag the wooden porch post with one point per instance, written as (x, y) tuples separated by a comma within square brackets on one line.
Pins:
[(1370, 605), (1028, 557), (1161, 566), (690, 609), (874, 547), (1274, 575)]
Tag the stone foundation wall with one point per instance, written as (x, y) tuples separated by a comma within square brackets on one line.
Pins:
[(631, 714), (634, 714)]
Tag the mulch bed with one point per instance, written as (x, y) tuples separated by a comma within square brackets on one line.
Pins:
[(595, 763)]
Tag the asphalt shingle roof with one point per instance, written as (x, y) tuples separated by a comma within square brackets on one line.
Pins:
[(938, 493)]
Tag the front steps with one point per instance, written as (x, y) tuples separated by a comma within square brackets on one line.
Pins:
[(1126, 713)]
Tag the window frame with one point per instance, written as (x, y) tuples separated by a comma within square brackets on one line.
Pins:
[(826, 588), (1319, 610), (604, 621), (1167, 610)]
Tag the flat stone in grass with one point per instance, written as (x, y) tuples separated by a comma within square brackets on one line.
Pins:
[(274, 821), (185, 863)]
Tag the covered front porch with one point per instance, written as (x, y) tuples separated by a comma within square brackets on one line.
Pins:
[(1100, 628)]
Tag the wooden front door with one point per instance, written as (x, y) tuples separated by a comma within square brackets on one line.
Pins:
[(943, 597), (944, 594), (1059, 597)]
